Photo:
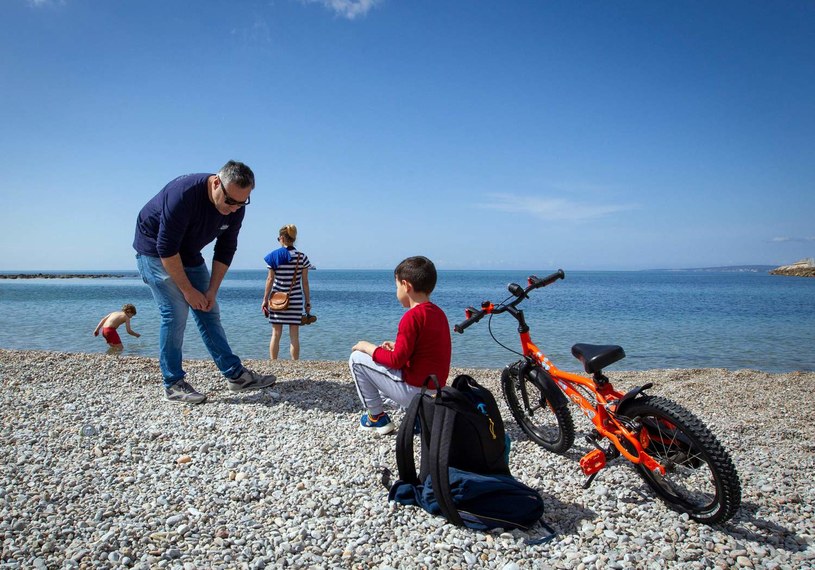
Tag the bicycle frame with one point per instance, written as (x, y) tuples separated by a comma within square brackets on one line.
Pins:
[(604, 422)]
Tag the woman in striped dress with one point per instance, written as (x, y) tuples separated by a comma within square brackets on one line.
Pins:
[(288, 272)]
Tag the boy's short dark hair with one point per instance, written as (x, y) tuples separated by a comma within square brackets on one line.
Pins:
[(419, 272)]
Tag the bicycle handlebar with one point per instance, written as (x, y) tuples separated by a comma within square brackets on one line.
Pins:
[(534, 282), (473, 315), (476, 316)]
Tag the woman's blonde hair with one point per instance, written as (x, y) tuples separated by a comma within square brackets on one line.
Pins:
[(289, 232)]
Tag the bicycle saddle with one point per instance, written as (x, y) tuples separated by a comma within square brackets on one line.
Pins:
[(595, 357)]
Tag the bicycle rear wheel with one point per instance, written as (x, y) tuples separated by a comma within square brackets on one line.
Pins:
[(550, 428), (700, 478)]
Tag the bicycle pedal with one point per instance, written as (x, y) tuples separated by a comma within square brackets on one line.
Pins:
[(593, 462)]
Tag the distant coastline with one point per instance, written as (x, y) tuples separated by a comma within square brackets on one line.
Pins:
[(725, 269), (58, 275)]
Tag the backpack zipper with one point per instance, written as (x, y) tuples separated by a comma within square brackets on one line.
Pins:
[(482, 407)]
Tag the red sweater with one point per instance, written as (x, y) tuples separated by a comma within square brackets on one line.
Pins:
[(422, 346)]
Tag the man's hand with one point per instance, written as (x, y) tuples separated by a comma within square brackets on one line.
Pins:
[(175, 269), (210, 295), (196, 300), (388, 345)]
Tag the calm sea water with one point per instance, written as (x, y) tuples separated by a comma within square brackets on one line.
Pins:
[(662, 319)]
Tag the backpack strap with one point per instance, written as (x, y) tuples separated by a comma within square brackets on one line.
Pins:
[(444, 420), (404, 442), (404, 438), (426, 421)]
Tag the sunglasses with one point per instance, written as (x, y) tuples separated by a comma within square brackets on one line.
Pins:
[(231, 201)]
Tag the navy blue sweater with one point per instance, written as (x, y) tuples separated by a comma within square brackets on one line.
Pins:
[(181, 219)]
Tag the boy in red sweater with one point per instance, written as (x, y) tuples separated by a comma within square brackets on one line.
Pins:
[(396, 370)]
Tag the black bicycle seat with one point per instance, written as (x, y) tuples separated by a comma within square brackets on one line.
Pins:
[(595, 357)]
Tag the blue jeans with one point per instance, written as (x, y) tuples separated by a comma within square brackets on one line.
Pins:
[(173, 309)]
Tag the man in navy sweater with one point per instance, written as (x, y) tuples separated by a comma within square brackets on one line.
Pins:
[(171, 230)]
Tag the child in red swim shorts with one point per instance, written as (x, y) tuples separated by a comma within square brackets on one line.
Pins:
[(111, 322)]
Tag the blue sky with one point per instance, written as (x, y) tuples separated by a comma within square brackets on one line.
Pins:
[(527, 134)]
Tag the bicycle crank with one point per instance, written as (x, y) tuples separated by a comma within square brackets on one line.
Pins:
[(595, 460)]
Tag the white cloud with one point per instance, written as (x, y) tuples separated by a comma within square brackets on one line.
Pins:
[(792, 239), (259, 33), (550, 208), (348, 9), (39, 3)]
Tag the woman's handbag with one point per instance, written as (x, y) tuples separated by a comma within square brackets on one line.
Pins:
[(279, 300)]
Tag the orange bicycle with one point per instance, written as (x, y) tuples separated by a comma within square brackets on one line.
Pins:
[(675, 453)]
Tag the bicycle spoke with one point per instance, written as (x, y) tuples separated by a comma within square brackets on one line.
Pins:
[(685, 480)]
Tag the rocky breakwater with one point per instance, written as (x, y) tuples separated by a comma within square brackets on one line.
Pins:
[(98, 471), (803, 268), (58, 275)]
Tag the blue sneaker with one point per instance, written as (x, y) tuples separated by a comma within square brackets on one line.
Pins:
[(382, 423)]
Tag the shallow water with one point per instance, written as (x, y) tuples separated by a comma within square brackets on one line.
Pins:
[(662, 319)]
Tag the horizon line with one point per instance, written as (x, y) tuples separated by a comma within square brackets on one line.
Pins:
[(131, 270)]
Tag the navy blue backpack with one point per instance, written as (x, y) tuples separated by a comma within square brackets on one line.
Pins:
[(463, 474)]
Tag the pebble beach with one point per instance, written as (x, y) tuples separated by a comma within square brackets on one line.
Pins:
[(99, 471)]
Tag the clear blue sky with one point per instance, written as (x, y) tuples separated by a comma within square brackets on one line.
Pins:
[(526, 134)]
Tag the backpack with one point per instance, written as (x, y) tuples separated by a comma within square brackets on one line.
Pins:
[(463, 475)]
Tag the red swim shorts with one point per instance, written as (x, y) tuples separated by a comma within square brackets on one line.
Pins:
[(111, 335)]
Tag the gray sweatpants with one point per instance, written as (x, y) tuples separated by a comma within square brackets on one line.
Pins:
[(376, 383)]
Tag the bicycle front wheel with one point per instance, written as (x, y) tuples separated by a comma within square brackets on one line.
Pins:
[(552, 429), (700, 478)]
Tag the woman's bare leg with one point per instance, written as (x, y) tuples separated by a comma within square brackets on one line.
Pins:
[(294, 336), (274, 344)]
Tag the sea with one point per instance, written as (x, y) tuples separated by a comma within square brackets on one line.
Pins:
[(663, 319)]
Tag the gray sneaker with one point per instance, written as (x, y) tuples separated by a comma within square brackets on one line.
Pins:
[(182, 392), (249, 380)]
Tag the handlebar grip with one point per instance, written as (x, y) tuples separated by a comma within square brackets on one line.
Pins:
[(459, 328), (554, 277), (549, 279)]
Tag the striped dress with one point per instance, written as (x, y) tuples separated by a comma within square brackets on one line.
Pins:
[(282, 281)]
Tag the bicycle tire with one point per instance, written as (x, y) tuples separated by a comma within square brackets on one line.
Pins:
[(700, 478), (553, 429)]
